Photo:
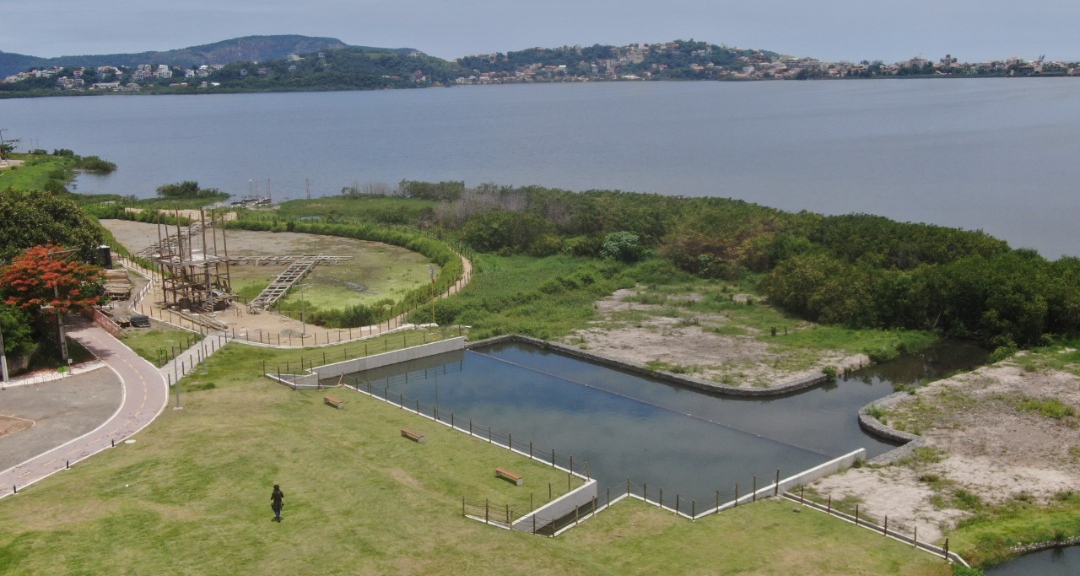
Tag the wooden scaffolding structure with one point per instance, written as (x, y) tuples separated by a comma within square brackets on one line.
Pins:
[(195, 274)]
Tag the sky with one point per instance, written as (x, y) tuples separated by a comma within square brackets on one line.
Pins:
[(888, 30)]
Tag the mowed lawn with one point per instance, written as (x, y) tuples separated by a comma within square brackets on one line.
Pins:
[(191, 496)]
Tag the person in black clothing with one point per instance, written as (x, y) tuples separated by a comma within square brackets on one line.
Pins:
[(277, 502)]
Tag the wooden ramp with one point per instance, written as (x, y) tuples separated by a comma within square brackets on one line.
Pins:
[(280, 286), (293, 274)]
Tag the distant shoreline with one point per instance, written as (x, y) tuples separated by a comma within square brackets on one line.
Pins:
[(196, 91)]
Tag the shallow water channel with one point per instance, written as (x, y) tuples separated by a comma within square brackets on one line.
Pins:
[(626, 427)]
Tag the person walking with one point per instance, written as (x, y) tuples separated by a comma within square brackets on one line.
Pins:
[(277, 502)]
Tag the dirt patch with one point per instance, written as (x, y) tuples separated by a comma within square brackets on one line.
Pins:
[(984, 445), (646, 335), (11, 425)]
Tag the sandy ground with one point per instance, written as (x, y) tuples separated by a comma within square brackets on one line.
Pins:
[(983, 443), (12, 424), (731, 360)]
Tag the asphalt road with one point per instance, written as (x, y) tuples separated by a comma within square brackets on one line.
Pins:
[(144, 396)]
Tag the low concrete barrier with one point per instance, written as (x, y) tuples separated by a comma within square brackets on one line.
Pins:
[(557, 508), (311, 379), (688, 381), (877, 428)]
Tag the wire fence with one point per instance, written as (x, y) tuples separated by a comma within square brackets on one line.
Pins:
[(880, 525), (505, 516), (471, 427), (303, 338), (499, 514)]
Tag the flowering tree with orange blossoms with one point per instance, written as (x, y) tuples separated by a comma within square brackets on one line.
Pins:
[(50, 275)]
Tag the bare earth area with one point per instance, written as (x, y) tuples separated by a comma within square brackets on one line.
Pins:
[(11, 425), (638, 334), (982, 438), (265, 327)]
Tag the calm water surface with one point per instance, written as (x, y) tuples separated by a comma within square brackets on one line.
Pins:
[(1052, 562), (624, 425), (993, 154)]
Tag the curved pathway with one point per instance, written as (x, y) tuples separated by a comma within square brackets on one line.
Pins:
[(145, 396)]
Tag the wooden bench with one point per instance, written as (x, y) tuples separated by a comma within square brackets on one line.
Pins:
[(517, 479), (335, 402), (411, 435)]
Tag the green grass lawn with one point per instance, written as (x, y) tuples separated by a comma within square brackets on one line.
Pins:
[(375, 273), (191, 496), (160, 342), (36, 172)]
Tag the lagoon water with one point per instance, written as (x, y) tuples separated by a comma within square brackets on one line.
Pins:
[(998, 155)]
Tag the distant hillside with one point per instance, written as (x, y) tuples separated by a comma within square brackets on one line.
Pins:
[(11, 63), (248, 48)]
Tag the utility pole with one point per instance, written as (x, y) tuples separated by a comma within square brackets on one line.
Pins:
[(431, 271), (303, 319), (3, 359)]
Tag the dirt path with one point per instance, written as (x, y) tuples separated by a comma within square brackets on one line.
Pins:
[(261, 327)]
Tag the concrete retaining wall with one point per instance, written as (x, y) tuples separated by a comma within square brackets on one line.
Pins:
[(557, 508), (877, 428), (688, 381), (818, 472), (311, 380), (802, 478)]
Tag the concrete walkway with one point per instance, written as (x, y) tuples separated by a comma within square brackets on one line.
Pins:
[(144, 397)]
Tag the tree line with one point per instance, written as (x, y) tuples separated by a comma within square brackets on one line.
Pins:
[(855, 270)]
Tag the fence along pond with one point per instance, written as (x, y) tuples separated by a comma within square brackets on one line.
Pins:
[(688, 443)]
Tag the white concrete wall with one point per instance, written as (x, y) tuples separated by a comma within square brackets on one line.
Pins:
[(378, 361), (802, 478), (557, 508)]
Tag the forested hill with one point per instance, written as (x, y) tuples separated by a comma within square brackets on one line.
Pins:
[(248, 48), (343, 69), (681, 59)]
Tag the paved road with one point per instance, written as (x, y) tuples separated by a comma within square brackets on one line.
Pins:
[(145, 396), (60, 411)]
